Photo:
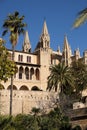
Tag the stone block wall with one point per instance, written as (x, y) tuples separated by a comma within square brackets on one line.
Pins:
[(24, 101)]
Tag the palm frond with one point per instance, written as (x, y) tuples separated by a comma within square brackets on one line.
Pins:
[(16, 13), (83, 11), (81, 19), (4, 32)]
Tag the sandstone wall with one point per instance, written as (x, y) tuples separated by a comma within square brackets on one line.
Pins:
[(24, 101)]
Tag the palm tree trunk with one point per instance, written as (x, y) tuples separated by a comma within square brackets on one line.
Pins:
[(11, 88), (11, 93)]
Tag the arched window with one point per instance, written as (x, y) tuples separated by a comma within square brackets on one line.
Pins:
[(35, 88), (20, 72), (27, 73), (31, 73), (29, 59), (20, 57), (37, 73), (14, 87), (24, 87)]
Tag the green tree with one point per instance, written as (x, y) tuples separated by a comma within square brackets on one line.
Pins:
[(7, 67), (6, 123), (81, 19), (60, 78), (79, 71), (14, 26), (35, 111)]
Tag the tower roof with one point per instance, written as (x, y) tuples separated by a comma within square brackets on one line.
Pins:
[(44, 41), (45, 30), (26, 43), (66, 44)]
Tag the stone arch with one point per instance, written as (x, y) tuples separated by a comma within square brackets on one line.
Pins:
[(37, 74), (27, 73), (21, 70), (35, 88), (23, 87), (14, 87), (1, 86), (31, 73)]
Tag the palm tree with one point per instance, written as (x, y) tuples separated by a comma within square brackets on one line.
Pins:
[(14, 26), (61, 80), (82, 18), (60, 77)]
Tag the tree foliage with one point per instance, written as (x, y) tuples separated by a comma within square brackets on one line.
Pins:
[(81, 18), (72, 78), (7, 67), (79, 71), (60, 78), (71, 81), (54, 120), (14, 25)]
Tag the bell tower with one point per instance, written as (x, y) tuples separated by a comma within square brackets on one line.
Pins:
[(44, 55)]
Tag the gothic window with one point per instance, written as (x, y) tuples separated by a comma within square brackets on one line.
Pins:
[(20, 57), (20, 72), (35, 88), (28, 59), (24, 87), (37, 73), (31, 73), (14, 87), (27, 73)]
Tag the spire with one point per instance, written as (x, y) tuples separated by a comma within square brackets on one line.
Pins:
[(66, 45), (45, 38), (26, 43), (77, 53), (66, 52), (45, 30), (44, 41)]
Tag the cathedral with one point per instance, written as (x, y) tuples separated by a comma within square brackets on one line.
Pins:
[(33, 70)]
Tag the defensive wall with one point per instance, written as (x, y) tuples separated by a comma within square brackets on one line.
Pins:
[(24, 101)]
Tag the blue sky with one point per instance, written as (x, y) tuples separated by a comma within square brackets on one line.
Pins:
[(59, 15)]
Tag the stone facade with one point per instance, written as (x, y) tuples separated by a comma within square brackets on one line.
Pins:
[(33, 70)]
